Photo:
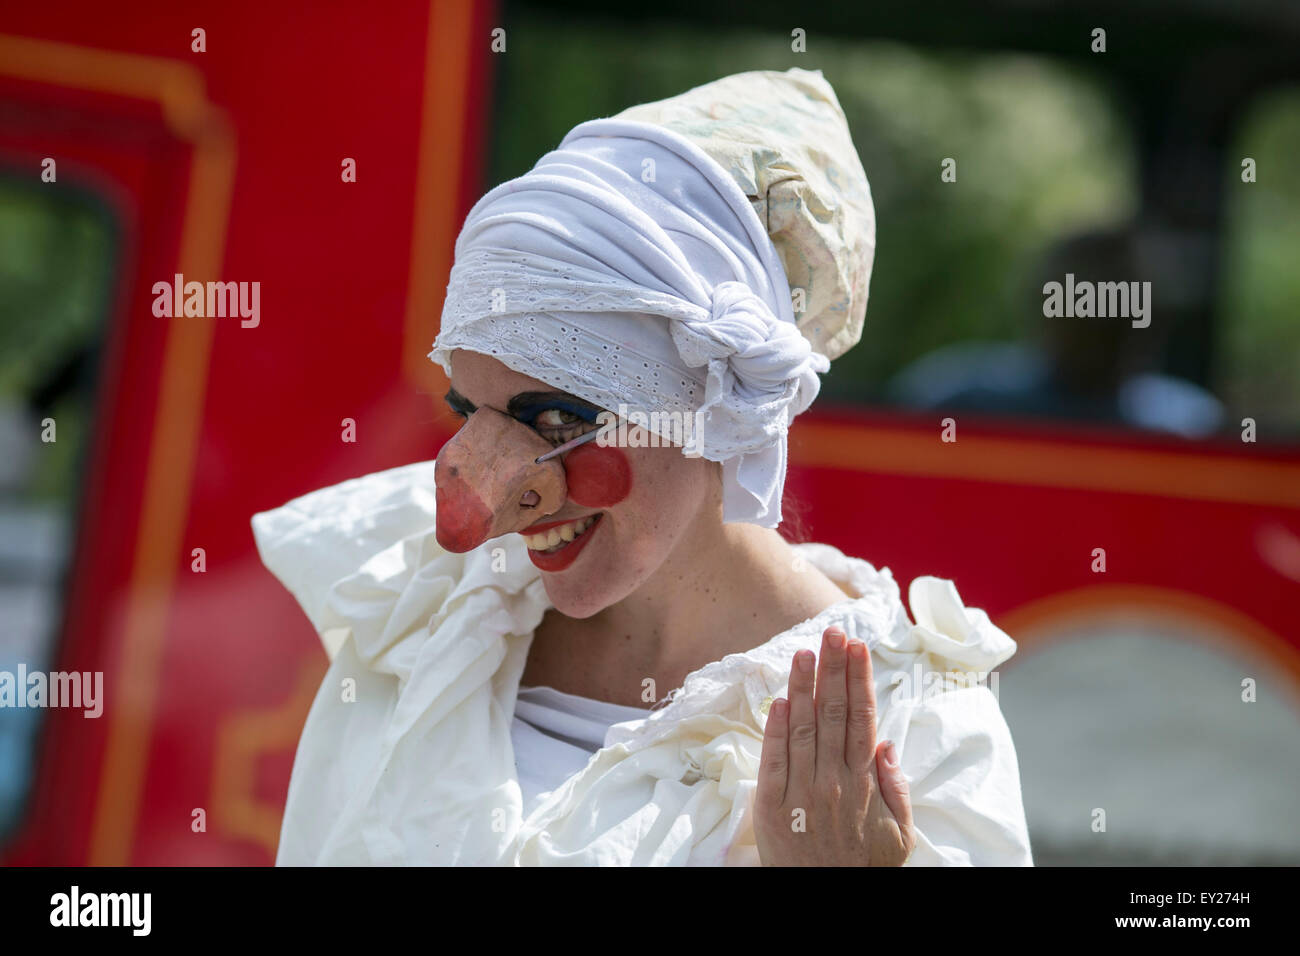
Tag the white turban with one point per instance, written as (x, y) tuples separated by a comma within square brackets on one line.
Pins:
[(630, 269)]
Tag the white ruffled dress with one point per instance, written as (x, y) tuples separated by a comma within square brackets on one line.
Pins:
[(407, 756)]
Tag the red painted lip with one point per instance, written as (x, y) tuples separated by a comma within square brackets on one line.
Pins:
[(561, 559), (548, 525)]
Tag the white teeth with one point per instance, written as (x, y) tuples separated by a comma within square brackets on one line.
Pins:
[(547, 540)]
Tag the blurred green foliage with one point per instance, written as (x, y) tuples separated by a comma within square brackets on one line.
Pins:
[(1043, 152), (1258, 371), (58, 256), (56, 260)]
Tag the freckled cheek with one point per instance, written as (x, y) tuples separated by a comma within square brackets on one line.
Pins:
[(598, 477)]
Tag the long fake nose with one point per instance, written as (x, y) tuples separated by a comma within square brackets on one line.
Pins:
[(488, 481)]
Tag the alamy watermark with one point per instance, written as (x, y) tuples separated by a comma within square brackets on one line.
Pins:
[(23, 688), (920, 684), (132, 911), (632, 428), (1102, 300), (179, 299)]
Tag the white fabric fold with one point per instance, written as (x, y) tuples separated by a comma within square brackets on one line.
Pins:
[(406, 756), (628, 268)]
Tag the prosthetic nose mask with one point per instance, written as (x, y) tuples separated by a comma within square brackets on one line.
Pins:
[(489, 482)]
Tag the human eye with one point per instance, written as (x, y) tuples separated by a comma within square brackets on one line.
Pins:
[(559, 425), (559, 422)]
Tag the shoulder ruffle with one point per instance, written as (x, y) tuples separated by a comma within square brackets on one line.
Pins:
[(408, 739), (947, 636), (314, 540), (956, 637)]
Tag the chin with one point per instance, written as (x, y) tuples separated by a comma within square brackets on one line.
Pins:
[(576, 599), (592, 584), (588, 583), (606, 570)]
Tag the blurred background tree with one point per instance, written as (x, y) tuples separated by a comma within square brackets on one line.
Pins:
[(1044, 151), (1259, 366), (58, 259)]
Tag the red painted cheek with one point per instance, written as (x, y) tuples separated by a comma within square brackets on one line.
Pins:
[(463, 521), (597, 476)]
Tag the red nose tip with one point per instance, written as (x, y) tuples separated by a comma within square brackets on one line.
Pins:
[(463, 521)]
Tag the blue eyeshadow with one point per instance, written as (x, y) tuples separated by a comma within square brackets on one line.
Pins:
[(528, 414)]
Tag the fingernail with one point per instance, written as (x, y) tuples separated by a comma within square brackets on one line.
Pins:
[(891, 755), (805, 661), (835, 639)]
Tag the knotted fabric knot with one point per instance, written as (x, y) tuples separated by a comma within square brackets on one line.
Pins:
[(761, 370), (763, 352)]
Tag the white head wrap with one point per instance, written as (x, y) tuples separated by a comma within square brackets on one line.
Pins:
[(630, 269)]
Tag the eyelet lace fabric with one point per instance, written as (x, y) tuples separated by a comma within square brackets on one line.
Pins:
[(743, 371)]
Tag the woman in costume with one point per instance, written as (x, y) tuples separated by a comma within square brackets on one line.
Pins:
[(607, 655)]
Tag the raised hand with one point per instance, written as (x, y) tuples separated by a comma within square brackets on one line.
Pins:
[(827, 795)]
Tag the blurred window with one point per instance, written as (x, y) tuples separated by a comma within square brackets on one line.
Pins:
[(57, 265)]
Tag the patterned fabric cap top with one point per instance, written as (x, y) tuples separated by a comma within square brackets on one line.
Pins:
[(784, 139)]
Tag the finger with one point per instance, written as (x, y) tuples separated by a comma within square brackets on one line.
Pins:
[(832, 701), (860, 734), (803, 723), (774, 765), (894, 789)]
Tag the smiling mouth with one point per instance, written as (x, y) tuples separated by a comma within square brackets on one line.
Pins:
[(554, 538)]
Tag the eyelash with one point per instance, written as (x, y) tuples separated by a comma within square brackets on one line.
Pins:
[(579, 423), (582, 422)]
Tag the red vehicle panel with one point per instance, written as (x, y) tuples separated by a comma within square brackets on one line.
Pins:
[(201, 422)]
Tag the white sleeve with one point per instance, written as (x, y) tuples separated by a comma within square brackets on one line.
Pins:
[(935, 703), (315, 540), (961, 767)]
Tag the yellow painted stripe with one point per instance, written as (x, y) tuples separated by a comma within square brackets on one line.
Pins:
[(168, 484), (1038, 623), (179, 88), (1045, 463), (439, 172)]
